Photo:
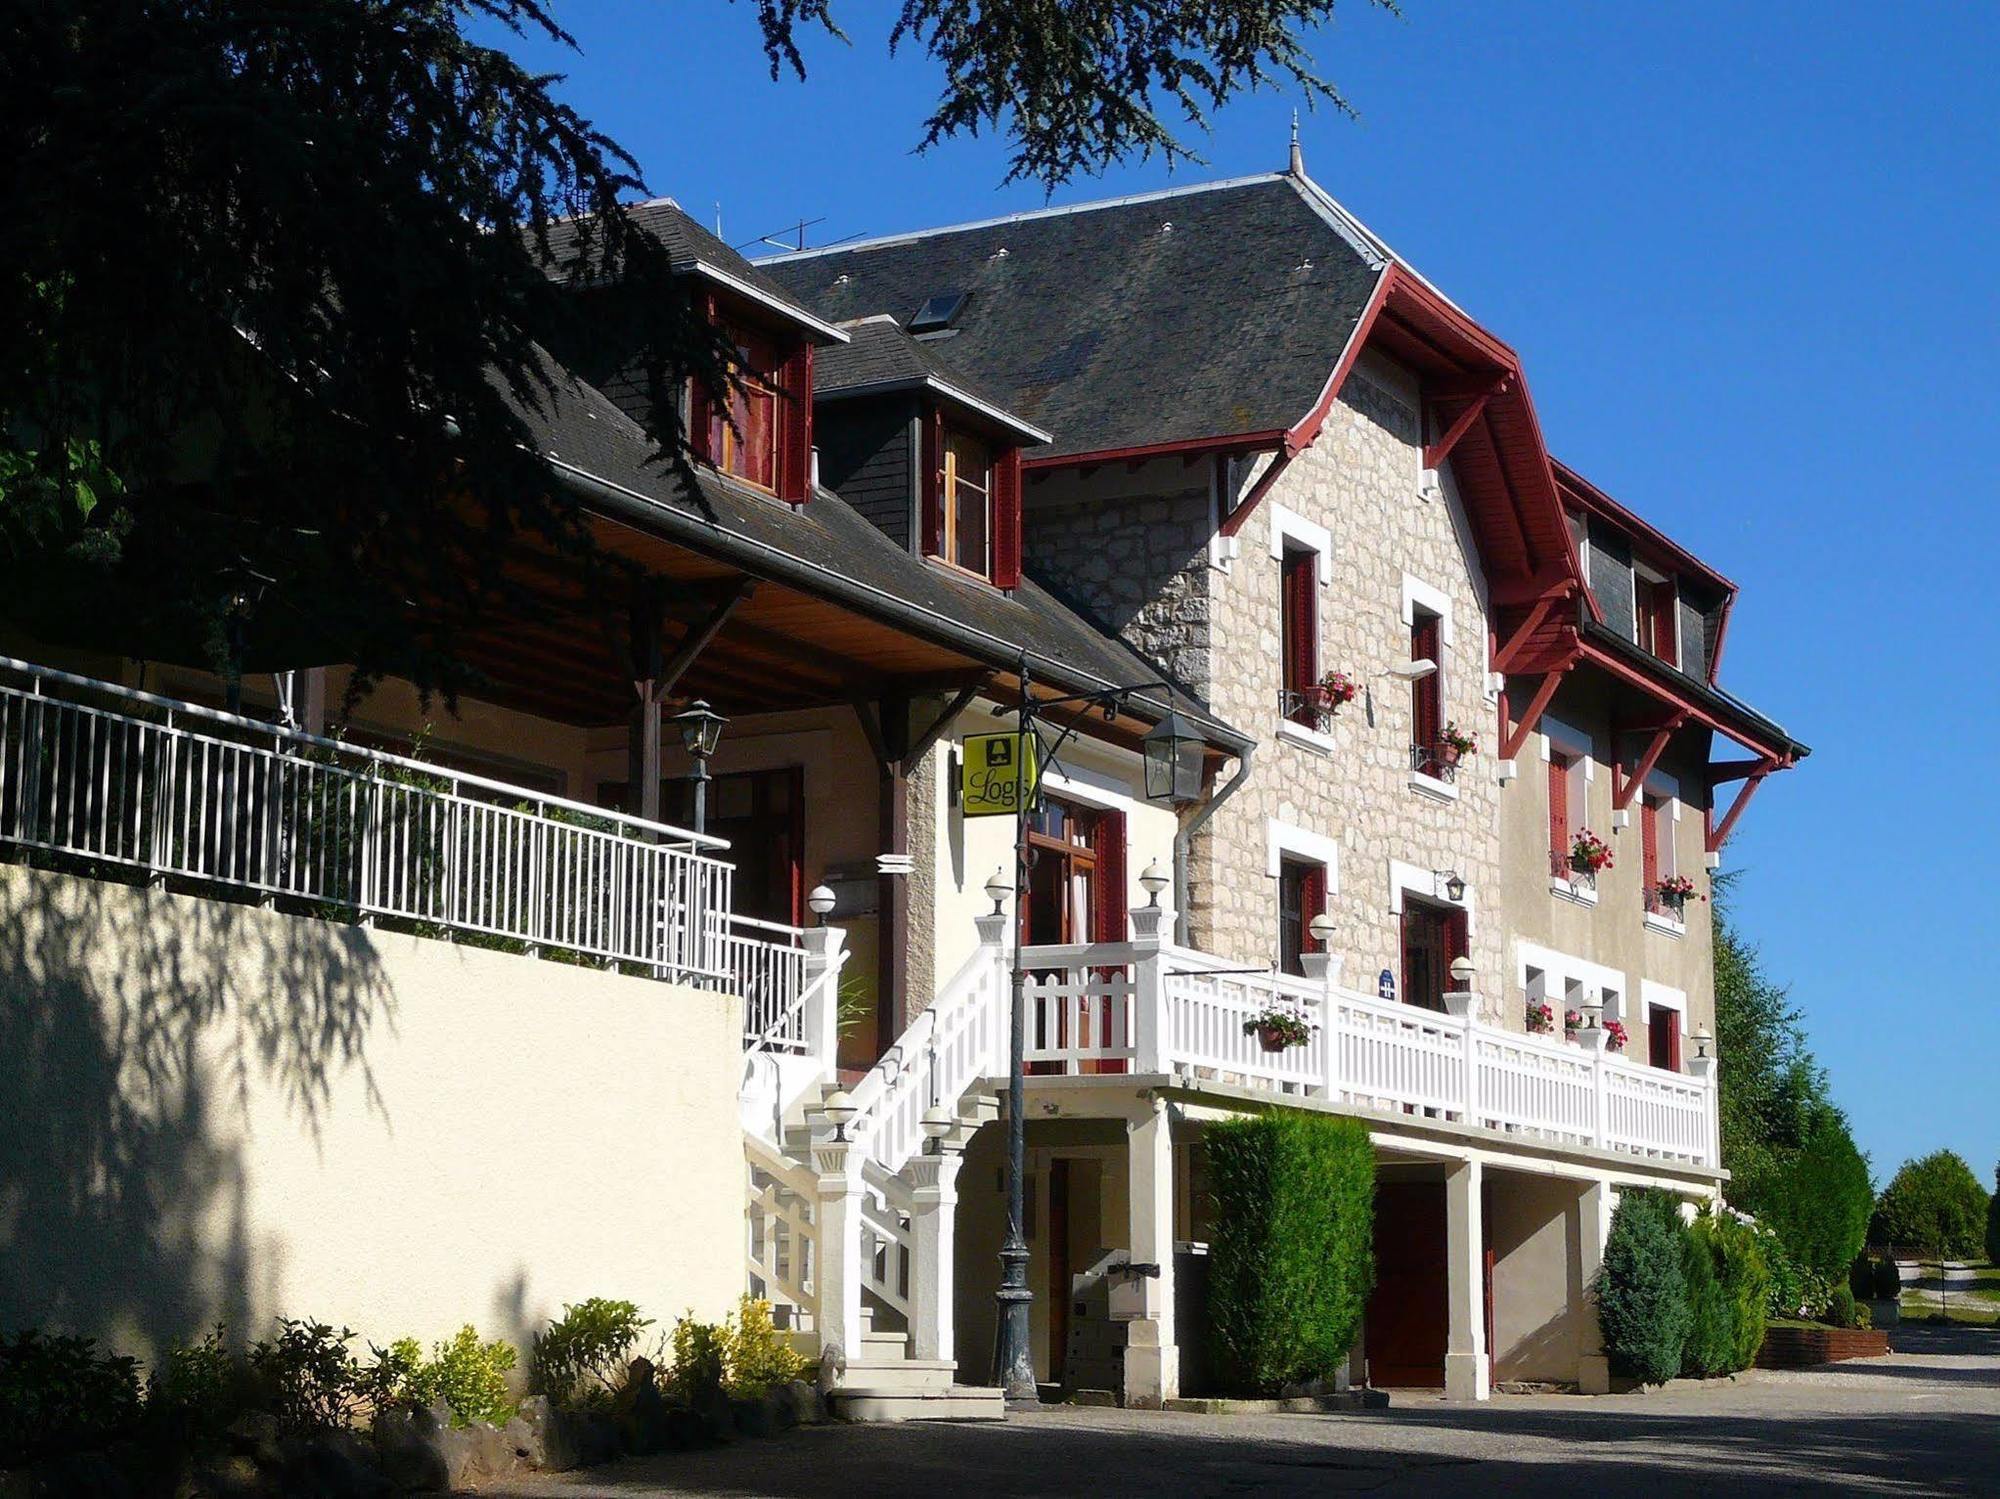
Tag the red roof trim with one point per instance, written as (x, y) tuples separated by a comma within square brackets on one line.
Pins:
[(1598, 656), (1649, 537), (1237, 442)]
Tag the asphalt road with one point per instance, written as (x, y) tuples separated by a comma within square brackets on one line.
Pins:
[(1925, 1420)]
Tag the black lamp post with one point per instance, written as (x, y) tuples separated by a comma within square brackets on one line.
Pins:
[(701, 730), (1173, 755)]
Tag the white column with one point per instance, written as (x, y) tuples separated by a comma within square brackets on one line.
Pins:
[(1149, 992), (933, 1178), (1465, 1367), (1152, 1358), (1593, 1210), (821, 1021), (838, 1271)]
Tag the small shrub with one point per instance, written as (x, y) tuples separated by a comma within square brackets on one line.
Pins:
[(1710, 1348), (755, 1357), (306, 1377), (580, 1358), (1292, 1259), (1642, 1299), (1841, 1308), (698, 1351), (466, 1375), (59, 1394), (1861, 1277), (194, 1392)]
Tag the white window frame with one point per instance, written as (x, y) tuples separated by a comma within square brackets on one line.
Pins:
[(1286, 838), (1561, 969), (1667, 789), (1292, 532), (1558, 737)]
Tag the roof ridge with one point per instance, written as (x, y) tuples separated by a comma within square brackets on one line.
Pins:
[(910, 235), (1346, 223)]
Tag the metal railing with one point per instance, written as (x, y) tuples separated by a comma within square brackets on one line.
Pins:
[(1430, 760), (767, 964), (100, 775), (1561, 867)]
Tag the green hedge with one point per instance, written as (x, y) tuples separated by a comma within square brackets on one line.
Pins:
[(1292, 1258), (1642, 1299), (1815, 1196)]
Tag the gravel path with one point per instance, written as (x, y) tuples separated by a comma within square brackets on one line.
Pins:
[(1925, 1420)]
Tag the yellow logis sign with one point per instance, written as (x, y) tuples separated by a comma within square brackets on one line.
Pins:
[(997, 771)]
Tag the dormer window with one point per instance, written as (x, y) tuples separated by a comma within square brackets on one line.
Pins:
[(763, 435), (972, 501)]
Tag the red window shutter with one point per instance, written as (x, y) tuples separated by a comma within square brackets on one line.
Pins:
[(1299, 622), (1558, 812), (1649, 847), (795, 436), (1426, 722), (1107, 842), (1664, 606), (933, 499), (701, 408), (1312, 902), (1007, 518), (1455, 946)]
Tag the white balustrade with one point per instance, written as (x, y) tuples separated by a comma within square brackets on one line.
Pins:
[(113, 778)]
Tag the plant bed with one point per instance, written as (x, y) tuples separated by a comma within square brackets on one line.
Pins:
[(1804, 1345), (1291, 1405)]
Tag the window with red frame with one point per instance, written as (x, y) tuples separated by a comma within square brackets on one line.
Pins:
[(972, 502), (1301, 897), (762, 434), (1298, 630), (1426, 693), (1656, 606)]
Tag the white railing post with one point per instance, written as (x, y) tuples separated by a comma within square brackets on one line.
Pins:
[(1149, 1020), (992, 929), (821, 1021), (1702, 1069), (933, 1178), (1460, 1005), (1319, 969), (1593, 1038), (840, 1270)]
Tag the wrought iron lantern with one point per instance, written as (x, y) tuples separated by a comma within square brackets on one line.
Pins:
[(1173, 760)]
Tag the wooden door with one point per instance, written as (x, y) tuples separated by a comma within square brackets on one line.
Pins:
[(1663, 1038), (1408, 1316), (1433, 939)]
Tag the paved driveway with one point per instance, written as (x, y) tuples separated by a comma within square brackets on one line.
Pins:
[(1925, 1420)]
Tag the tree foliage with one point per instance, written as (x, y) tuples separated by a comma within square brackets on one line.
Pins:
[(276, 282), (1993, 1221), (1787, 1146), (1935, 1204), (1292, 1260)]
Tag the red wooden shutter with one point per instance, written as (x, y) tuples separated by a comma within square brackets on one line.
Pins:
[(1007, 518), (1425, 721), (1107, 841), (795, 434), (701, 408), (1558, 813), (1299, 623), (1455, 946), (933, 504), (1663, 603), (1649, 847), (1312, 902)]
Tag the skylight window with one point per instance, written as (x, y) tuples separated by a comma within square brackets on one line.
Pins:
[(939, 312)]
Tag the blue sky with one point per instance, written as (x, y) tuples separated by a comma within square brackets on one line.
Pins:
[(1748, 256)]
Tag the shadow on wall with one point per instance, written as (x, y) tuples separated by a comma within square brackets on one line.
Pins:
[(132, 1025)]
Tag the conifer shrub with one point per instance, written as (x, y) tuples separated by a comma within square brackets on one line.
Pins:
[(1641, 1288), (1745, 1278), (1292, 1259), (1710, 1348)]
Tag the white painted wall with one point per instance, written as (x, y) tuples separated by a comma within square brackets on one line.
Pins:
[(218, 1112)]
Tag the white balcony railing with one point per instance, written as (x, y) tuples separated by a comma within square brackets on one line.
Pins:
[(125, 780), (1146, 1007)]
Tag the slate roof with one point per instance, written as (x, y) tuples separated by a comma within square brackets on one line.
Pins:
[(880, 356), (691, 250), (1166, 317), (826, 547)]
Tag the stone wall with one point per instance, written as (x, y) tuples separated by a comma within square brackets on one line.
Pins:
[(1131, 547), (1360, 482)]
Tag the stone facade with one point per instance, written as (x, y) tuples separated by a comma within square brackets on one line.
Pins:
[(1360, 482)]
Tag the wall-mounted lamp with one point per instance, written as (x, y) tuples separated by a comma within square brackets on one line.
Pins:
[(1413, 671), (1452, 882)]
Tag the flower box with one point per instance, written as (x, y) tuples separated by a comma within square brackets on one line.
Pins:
[(1588, 853)]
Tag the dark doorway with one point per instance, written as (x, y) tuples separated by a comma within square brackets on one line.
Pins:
[(1433, 939), (1407, 1321), (1663, 1037), (762, 814), (1076, 893)]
